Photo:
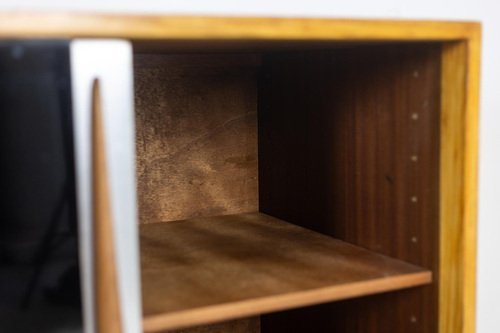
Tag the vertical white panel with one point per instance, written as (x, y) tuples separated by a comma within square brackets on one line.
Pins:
[(110, 61)]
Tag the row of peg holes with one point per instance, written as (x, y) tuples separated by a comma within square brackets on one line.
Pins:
[(414, 159)]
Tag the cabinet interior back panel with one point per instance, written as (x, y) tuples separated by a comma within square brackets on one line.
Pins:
[(196, 135)]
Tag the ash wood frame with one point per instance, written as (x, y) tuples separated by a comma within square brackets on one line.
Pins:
[(459, 106)]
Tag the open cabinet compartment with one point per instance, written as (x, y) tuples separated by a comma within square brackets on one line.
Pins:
[(364, 131), (341, 139)]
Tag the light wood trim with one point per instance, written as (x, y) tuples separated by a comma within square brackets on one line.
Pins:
[(451, 187), (458, 185), (107, 302), (471, 177), (25, 25)]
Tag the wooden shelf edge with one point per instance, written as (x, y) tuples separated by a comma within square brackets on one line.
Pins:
[(234, 310), (212, 269)]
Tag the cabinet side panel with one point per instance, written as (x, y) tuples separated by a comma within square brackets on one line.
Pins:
[(349, 140)]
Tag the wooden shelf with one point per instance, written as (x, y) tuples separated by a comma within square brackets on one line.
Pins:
[(210, 269)]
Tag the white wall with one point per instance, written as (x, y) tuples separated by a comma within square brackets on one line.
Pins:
[(487, 11)]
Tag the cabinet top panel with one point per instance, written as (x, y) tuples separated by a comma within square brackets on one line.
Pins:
[(135, 27)]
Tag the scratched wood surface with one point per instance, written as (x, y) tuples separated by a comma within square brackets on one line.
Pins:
[(196, 135)]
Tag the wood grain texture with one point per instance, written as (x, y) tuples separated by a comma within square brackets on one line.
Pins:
[(459, 143), (471, 172), (452, 183), (245, 325), (136, 27), (349, 146), (459, 185), (218, 268), (107, 307), (196, 119)]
